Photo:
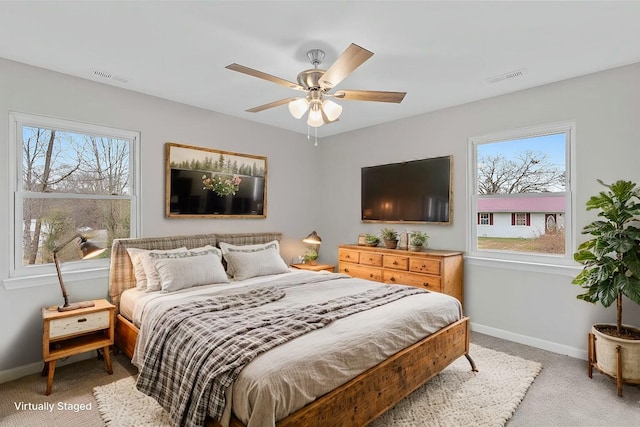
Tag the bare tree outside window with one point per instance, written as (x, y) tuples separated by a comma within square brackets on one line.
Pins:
[(72, 182), (521, 182)]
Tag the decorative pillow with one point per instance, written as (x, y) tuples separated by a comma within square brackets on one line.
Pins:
[(148, 261), (135, 254), (257, 263), (229, 248), (181, 272)]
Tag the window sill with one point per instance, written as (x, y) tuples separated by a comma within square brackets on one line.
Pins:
[(23, 282), (571, 270)]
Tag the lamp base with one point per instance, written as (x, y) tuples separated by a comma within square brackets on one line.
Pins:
[(76, 306)]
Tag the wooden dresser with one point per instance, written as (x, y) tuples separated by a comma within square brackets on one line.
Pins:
[(440, 271)]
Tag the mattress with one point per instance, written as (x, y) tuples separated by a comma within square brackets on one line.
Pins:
[(286, 378)]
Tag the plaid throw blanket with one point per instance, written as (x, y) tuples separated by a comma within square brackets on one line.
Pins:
[(198, 348)]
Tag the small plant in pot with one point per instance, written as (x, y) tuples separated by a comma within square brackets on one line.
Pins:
[(418, 240), (390, 237), (611, 271), (371, 240), (310, 257)]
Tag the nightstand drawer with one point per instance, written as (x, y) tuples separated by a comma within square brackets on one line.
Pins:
[(79, 324)]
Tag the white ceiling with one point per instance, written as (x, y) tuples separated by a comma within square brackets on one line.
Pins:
[(440, 53)]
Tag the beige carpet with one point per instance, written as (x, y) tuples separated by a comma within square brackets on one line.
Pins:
[(455, 397)]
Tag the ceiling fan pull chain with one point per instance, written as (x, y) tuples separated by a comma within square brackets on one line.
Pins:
[(316, 143)]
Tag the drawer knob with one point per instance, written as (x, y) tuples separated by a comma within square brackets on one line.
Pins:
[(424, 266), (393, 279), (346, 270), (82, 320), (395, 262)]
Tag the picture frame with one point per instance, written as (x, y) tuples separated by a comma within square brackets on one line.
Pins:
[(209, 183)]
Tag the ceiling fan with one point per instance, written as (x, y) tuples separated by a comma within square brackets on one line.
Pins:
[(318, 82)]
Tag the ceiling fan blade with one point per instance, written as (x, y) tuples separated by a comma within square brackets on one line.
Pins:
[(259, 74), (370, 95), (347, 62), (270, 105)]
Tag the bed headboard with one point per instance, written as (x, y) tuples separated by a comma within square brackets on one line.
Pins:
[(121, 274)]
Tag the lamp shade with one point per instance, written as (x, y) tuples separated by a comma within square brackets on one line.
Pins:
[(89, 250), (313, 239), (331, 109), (298, 107), (315, 117)]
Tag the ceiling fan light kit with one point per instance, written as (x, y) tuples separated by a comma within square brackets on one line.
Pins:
[(317, 83)]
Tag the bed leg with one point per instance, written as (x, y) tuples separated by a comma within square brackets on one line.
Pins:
[(471, 362)]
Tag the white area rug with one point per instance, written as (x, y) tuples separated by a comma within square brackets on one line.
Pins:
[(456, 397)]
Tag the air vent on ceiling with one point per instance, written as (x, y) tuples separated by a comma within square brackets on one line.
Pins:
[(507, 76), (108, 76)]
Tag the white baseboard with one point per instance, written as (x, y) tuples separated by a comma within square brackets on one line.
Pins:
[(32, 368), (578, 353)]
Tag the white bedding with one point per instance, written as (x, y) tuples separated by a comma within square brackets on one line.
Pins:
[(288, 377)]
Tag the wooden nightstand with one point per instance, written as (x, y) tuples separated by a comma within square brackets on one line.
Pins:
[(68, 333), (317, 267)]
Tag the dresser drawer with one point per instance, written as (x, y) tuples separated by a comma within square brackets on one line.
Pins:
[(425, 265), (361, 271), (420, 280), (79, 324), (371, 259), (349, 255), (396, 262)]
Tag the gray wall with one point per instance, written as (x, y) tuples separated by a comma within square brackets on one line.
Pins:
[(534, 308), (291, 162)]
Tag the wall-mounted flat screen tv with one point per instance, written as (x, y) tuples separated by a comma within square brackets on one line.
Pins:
[(413, 191)]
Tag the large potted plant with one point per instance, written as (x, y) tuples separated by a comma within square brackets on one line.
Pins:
[(611, 271)]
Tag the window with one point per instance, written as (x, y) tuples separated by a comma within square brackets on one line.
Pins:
[(520, 185), (484, 218), (69, 178)]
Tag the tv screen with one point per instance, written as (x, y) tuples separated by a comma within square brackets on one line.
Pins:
[(413, 191)]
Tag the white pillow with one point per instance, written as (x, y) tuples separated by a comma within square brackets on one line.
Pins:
[(228, 248), (184, 272), (138, 266), (258, 263), (154, 283)]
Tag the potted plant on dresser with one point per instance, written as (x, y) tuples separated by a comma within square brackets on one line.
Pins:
[(418, 240), (390, 237), (611, 271)]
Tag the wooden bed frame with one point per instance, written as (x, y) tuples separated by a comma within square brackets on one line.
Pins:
[(355, 403)]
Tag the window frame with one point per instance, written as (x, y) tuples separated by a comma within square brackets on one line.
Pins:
[(562, 264), (21, 276)]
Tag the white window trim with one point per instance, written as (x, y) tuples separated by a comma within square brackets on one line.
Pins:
[(44, 275), (557, 264)]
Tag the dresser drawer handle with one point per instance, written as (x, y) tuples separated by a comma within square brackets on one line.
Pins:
[(348, 256), (393, 279), (346, 270), (84, 319), (395, 262), (370, 259), (424, 266)]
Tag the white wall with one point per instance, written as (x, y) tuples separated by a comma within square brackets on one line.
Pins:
[(535, 308), (291, 162)]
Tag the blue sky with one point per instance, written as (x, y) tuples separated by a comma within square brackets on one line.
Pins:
[(552, 145)]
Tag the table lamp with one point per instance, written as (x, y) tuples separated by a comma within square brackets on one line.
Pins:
[(89, 250), (313, 239)]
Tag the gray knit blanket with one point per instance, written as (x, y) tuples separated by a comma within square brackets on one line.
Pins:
[(197, 349)]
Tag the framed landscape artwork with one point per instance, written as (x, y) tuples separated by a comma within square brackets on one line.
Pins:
[(207, 183)]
